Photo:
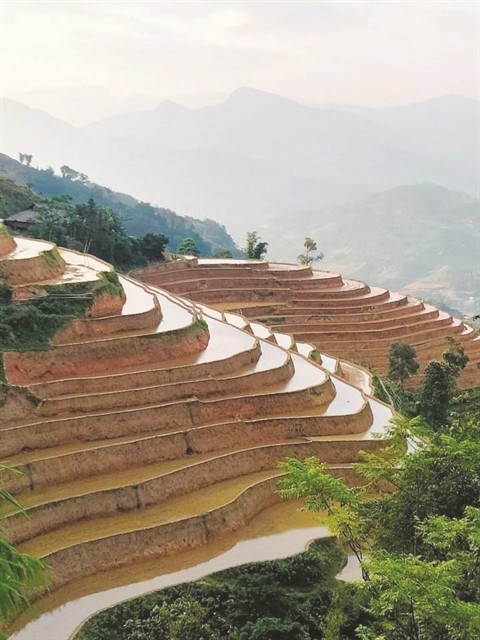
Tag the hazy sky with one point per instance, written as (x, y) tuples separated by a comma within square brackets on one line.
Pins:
[(368, 53)]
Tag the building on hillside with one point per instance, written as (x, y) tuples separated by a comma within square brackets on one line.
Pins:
[(19, 222)]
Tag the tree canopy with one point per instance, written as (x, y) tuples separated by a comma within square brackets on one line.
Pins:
[(309, 257), (255, 248), (188, 248), (401, 362), (95, 229), (422, 574)]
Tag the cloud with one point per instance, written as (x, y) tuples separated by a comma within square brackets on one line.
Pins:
[(361, 52)]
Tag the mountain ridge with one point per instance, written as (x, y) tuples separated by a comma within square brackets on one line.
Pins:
[(138, 217)]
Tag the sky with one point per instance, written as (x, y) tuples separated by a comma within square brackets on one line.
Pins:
[(366, 53)]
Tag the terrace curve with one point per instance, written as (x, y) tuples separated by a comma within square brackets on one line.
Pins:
[(344, 318), (159, 427)]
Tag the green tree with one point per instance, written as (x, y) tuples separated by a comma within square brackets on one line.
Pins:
[(309, 257), (68, 173), (152, 246), (19, 572), (401, 362), (25, 158), (255, 248), (422, 579), (184, 619), (437, 393), (188, 248), (455, 356)]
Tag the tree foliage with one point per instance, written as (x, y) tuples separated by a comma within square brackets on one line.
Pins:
[(95, 229), (25, 158), (188, 248), (255, 247), (138, 218), (274, 600), (19, 572), (402, 362), (422, 577), (311, 254)]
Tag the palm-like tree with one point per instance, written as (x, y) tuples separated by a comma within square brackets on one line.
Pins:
[(19, 572)]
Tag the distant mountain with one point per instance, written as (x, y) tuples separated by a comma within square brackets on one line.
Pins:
[(422, 238), (446, 125), (366, 147), (81, 105), (256, 155), (205, 182), (20, 185)]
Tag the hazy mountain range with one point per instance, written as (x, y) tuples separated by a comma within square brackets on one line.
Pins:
[(423, 239), (256, 155), (259, 161), (20, 186)]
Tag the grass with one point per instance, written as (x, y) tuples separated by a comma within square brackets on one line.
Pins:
[(30, 325)]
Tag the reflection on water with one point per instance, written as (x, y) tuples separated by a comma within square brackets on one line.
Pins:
[(351, 572), (278, 532)]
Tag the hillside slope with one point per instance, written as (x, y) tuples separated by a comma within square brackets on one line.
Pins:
[(139, 217), (257, 155), (421, 238)]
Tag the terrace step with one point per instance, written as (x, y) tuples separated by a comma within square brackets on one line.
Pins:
[(178, 334), (347, 412), (31, 261)]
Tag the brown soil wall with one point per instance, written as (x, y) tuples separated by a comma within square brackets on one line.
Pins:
[(366, 323), (148, 377), (241, 295), (89, 329), (105, 554), (327, 295), (304, 284), (373, 331), (102, 356), (395, 314), (156, 448), (366, 302), (201, 284), (199, 272), (167, 417), (16, 403), (48, 265), (107, 305), (346, 343), (180, 482), (166, 393), (7, 243)]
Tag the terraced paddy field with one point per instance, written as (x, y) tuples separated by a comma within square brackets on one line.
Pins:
[(149, 431), (346, 319)]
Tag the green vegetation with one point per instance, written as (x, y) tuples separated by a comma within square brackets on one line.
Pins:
[(435, 399), (272, 320), (275, 600), (309, 257), (222, 253), (4, 231), (30, 325), (188, 248), (401, 362), (19, 572), (14, 197), (137, 218), (97, 230), (422, 576), (255, 248)]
